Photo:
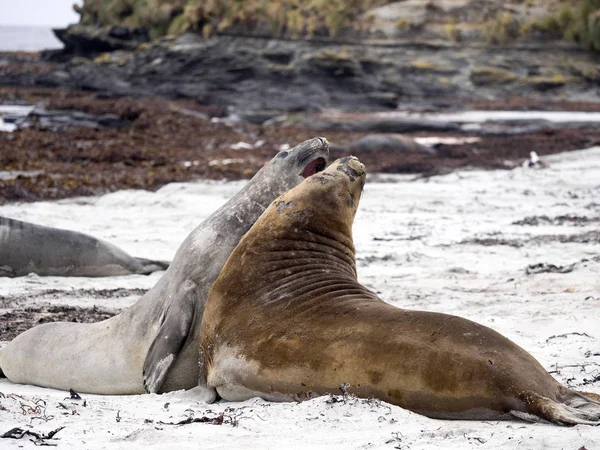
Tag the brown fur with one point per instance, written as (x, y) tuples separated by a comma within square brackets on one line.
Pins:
[(293, 322)]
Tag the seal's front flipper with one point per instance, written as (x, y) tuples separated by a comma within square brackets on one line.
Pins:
[(148, 266), (204, 393), (174, 330)]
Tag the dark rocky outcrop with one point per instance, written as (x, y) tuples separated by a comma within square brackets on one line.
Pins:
[(287, 76), (56, 120), (89, 40), (402, 53)]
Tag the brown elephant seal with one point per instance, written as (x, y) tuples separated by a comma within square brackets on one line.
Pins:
[(27, 247), (287, 319), (153, 345)]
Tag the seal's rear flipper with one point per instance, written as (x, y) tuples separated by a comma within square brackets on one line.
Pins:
[(149, 266), (174, 330), (590, 395), (575, 409)]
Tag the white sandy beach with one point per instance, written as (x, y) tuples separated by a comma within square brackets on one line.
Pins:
[(418, 244)]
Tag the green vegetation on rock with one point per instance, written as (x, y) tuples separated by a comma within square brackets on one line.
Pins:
[(575, 20), (483, 75), (428, 66), (503, 28), (292, 17), (495, 21), (156, 16)]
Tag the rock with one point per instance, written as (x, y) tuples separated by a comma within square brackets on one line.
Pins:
[(549, 268), (384, 99), (283, 75), (491, 75), (279, 57), (400, 126), (90, 40), (258, 117), (545, 83), (432, 67), (383, 142), (393, 18), (374, 125), (57, 120), (338, 64)]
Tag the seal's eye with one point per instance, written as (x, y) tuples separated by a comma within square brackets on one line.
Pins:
[(317, 165)]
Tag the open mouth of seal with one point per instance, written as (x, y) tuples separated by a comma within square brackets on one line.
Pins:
[(317, 165)]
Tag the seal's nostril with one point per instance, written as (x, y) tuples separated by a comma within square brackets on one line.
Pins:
[(323, 141)]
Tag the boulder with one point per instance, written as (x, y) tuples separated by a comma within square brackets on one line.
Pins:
[(85, 40)]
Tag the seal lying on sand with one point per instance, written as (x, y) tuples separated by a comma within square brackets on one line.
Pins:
[(287, 319), (26, 247), (154, 344), (384, 143)]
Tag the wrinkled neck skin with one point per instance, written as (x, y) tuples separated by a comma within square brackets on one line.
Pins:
[(203, 253), (308, 252)]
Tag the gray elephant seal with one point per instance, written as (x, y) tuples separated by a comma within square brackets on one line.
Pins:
[(154, 345), (287, 319), (26, 247), (383, 142)]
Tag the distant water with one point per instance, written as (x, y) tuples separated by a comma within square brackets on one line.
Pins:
[(26, 38)]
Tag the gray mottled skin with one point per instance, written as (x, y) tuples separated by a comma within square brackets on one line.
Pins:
[(153, 346), (26, 247)]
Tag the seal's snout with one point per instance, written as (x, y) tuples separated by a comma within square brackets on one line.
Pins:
[(357, 166), (311, 146), (324, 142), (352, 167)]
